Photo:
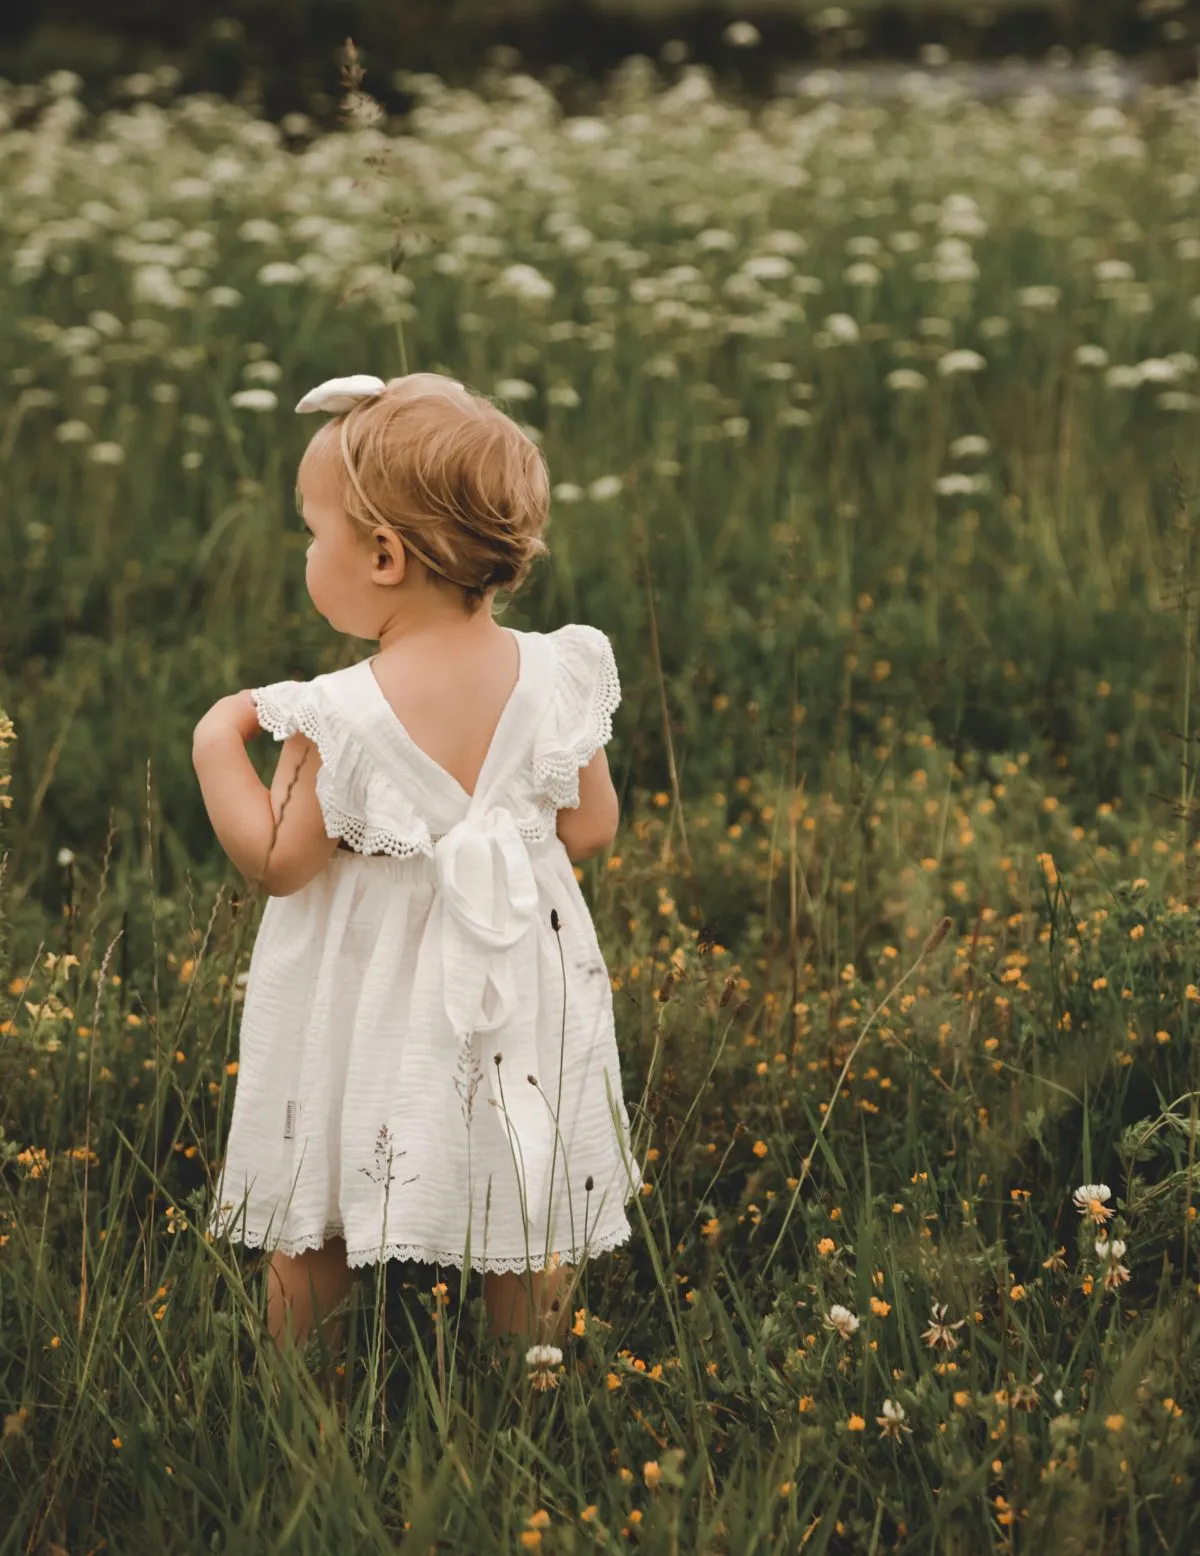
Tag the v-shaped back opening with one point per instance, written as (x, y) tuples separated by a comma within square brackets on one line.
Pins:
[(394, 718)]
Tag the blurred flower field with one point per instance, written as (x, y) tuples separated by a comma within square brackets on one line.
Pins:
[(873, 428)]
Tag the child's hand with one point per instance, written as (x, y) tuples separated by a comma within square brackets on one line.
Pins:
[(236, 712)]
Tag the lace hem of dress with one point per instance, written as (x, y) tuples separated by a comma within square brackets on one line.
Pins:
[(557, 774), (420, 1254)]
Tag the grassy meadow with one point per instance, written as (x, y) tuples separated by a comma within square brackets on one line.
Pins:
[(873, 428)]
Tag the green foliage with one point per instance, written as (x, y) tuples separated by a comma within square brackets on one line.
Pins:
[(893, 658)]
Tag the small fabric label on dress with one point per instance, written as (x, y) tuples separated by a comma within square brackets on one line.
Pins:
[(289, 1126)]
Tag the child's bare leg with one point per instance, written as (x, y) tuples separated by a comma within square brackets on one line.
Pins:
[(295, 1280), (510, 1313)]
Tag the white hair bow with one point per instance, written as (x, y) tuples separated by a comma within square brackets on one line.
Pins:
[(342, 394)]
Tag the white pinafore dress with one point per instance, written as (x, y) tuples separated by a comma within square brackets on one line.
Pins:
[(428, 1064)]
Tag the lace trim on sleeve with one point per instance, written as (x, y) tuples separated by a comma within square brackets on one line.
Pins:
[(400, 839), (358, 804), (279, 708), (557, 772)]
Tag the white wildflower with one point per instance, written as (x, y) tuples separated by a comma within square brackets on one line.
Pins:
[(223, 296), (995, 326), (1123, 377), (105, 323), (957, 484), (1111, 1252), (891, 1422), (972, 446), (862, 273), (280, 273), (1178, 400), (841, 328), (65, 856), (106, 454), (73, 432), (962, 361), (254, 399), (1157, 370), (63, 83), (515, 389), (525, 283), (564, 395), (940, 1335), (841, 1319), (266, 372), (768, 267), (259, 230), (904, 242), (905, 380), (1091, 356), (1041, 299), (567, 491), (1091, 1200), (742, 35), (543, 1359), (605, 487), (585, 131), (716, 238)]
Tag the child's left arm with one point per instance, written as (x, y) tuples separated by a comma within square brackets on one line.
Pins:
[(276, 837)]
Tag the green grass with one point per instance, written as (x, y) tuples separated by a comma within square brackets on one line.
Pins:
[(860, 701)]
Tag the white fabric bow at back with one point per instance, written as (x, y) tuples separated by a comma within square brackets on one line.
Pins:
[(343, 394)]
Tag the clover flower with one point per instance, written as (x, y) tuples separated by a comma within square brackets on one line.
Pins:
[(891, 1422), (1110, 1251), (939, 1334), (1090, 1200), (543, 1359), (841, 1319)]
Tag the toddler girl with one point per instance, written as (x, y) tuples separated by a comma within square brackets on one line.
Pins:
[(428, 1067)]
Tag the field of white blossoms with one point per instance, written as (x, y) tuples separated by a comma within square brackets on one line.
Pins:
[(873, 428)]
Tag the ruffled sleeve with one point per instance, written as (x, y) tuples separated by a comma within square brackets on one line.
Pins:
[(358, 801), (281, 706), (587, 692)]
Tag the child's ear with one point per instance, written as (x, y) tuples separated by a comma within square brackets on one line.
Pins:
[(390, 557)]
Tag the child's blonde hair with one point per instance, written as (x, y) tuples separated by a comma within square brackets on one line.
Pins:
[(457, 480)]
